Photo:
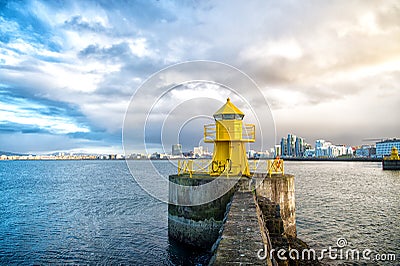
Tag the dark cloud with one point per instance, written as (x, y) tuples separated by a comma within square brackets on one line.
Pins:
[(9, 127), (21, 97), (99, 135), (22, 68), (77, 23), (117, 52), (43, 143)]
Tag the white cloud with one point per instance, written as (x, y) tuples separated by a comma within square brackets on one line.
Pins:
[(25, 113), (285, 48)]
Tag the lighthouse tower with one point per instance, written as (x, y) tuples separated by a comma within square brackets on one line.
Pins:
[(229, 136)]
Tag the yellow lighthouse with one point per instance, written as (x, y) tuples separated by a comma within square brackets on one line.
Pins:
[(229, 136)]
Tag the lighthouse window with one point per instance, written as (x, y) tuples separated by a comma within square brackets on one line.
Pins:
[(228, 116), (218, 117), (239, 117)]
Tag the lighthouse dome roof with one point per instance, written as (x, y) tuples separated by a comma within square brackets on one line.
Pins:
[(228, 108)]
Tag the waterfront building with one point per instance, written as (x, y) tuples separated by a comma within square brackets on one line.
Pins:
[(284, 147), (337, 150), (292, 146), (261, 155), (325, 148), (291, 142), (200, 151), (350, 151), (322, 148), (164, 156), (155, 156), (137, 156), (299, 147), (309, 152), (277, 151), (251, 153), (177, 150), (366, 151), (384, 148)]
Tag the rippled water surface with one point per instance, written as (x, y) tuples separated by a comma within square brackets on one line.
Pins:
[(86, 212), (81, 212), (357, 201)]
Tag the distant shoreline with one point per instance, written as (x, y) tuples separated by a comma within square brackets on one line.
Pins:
[(331, 159), (251, 159)]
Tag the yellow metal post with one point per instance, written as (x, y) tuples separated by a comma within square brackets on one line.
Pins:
[(190, 167), (275, 166)]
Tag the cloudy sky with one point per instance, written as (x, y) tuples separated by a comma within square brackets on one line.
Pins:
[(68, 69)]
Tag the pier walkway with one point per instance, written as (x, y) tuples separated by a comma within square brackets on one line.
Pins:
[(241, 238)]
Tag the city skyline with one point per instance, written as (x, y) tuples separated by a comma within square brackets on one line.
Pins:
[(68, 69), (300, 148)]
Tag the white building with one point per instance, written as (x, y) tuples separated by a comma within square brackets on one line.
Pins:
[(321, 148), (366, 151), (176, 150), (327, 149), (251, 153), (120, 157), (309, 153), (200, 151)]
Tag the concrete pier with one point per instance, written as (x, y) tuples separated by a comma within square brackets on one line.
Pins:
[(279, 191), (391, 164), (199, 225), (262, 216), (258, 213), (241, 238)]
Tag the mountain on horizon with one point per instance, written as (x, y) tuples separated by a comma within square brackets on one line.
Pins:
[(12, 153)]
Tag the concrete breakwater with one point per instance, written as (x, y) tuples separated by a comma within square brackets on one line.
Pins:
[(391, 164), (198, 225), (258, 213), (275, 205), (240, 238)]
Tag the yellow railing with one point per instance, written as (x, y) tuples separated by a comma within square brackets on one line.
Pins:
[(272, 167), (193, 167), (207, 167), (200, 166), (275, 167), (248, 132), (210, 131)]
